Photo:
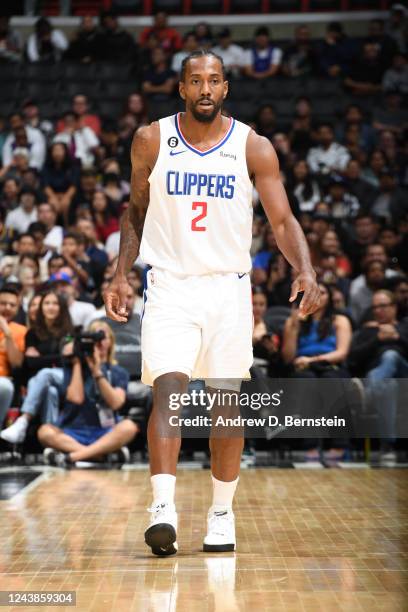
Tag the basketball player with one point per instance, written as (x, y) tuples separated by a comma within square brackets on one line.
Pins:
[(191, 195)]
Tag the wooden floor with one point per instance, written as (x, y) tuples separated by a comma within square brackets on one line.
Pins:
[(318, 540)]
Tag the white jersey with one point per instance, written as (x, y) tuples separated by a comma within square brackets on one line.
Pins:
[(199, 219)]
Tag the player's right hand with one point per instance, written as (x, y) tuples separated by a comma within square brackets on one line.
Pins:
[(114, 298)]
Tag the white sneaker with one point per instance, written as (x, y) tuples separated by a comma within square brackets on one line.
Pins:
[(161, 535), (220, 531), (16, 433)]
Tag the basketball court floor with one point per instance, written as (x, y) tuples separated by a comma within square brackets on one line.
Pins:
[(308, 540)]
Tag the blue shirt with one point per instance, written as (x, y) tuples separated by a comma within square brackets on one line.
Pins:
[(310, 345), (81, 416)]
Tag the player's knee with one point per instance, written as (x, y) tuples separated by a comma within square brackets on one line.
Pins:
[(167, 387)]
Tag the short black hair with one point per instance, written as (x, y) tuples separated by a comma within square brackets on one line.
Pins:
[(10, 288), (200, 53)]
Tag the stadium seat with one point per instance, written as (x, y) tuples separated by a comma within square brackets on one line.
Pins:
[(246, 6), (40, 91), (243, 111), (117, 91), (322, 88), (77, 72), (283, 88), (10, 91), (113, 72), (89, 89), (109, 109), (206, 6), (41, 72), (157, 110), (10, 72), (245, 89), (8, 106), (169, 6)]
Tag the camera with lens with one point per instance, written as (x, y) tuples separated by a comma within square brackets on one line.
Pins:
[(84, 343)]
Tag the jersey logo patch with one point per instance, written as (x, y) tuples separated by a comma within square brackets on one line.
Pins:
[(241, 275), (172, 153)]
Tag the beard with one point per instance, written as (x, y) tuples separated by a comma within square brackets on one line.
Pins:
[(204, 117)]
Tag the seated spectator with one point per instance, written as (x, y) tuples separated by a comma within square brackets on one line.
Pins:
[(305, 189), (60, 178), (81, 141), (269, 251), (136, 106), (169, 39), (330, 245), (357, 185), (21, 217), (376, 164), (84, 46), (343, 205), (354, 116), (264, 59), (65, 283), (10, 194), (386, 45), (94, 389), (329, 156), (301, 128), (55, 263), (29, 281), (47, 215), (7, 235), (189, 45), (88, 184), (396, 77), (390, 239), (12, 337), (80, 107), (19, 162), (363, 287), (391, 115), (232, 55), (318, 348), (94, 250), (134, 278), (32, 309), (104, 216), (266, 121), (391, 200), (396, 160), (35, 142), (32, 117), (73, 252), (283, 150), (400, 291), (396, 27), (336, 52), (10, 42), (300, 59), (45, 44), (43, 365), (265, 345), (127, 338), (158, 83), (115, 44), (204, 35), (379, 352)]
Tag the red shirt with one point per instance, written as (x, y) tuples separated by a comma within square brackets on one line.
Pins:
[(105, 230), (170, 39)]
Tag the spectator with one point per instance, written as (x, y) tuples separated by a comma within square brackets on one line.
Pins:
[(357, 185), (318, 348), (64, 282), (284, 152), (391, 115), (38, 233), (363, 287), (32, 118), (88, 184), (387, 143), (269, 251), (343, 205), (169, 39), (387, 47), (60, 178), (73, 252), (299, 58), (98, 258), (136, 106), (35, 142), (204, 35), (264, 59), (10, 42), (159, 82), (376, 164), (11, 345), (104, 217), (390, 239), (47, 215), (95, 389), (20, 218), (397, 26), (305, 189), (80, 141), (401, 297), (45, 44), (80, 107), (84, 46), (266, 121), (134, 278), (232, 55), (115, 45), (44, 365), (390, 201), (329, 155), (189, 45), (29, 280), (379, 352), (265, 344), (330, 245), (18, 164), (55, 263), (396, 77), (354, 116), (336, 53), (32, 309)]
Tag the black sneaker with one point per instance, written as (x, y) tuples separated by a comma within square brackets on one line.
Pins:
[(57, 458)]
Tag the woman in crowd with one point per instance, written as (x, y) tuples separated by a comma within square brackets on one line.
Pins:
[(43, 363), (60, 178), (305, 189), (104, 217), (317, 348)]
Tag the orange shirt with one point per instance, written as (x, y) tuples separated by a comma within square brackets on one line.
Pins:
[(18, 333)]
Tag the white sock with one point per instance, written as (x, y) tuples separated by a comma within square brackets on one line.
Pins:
[(223, 494), (164, 486)]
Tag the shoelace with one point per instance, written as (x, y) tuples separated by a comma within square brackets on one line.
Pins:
[(220, 523), (158, 510)]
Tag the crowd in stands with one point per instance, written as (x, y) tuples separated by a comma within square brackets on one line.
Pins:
[(64, 183)]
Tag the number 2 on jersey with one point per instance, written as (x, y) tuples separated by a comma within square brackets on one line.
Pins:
[(194, 226)]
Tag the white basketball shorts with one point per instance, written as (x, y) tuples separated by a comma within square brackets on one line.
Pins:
[(198, 325)]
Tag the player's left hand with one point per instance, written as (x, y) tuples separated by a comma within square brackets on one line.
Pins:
[(306, 282)]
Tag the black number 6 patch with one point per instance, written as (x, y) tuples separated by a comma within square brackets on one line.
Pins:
[(172, 142)]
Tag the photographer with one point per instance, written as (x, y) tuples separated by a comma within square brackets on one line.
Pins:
[(95, 389)]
